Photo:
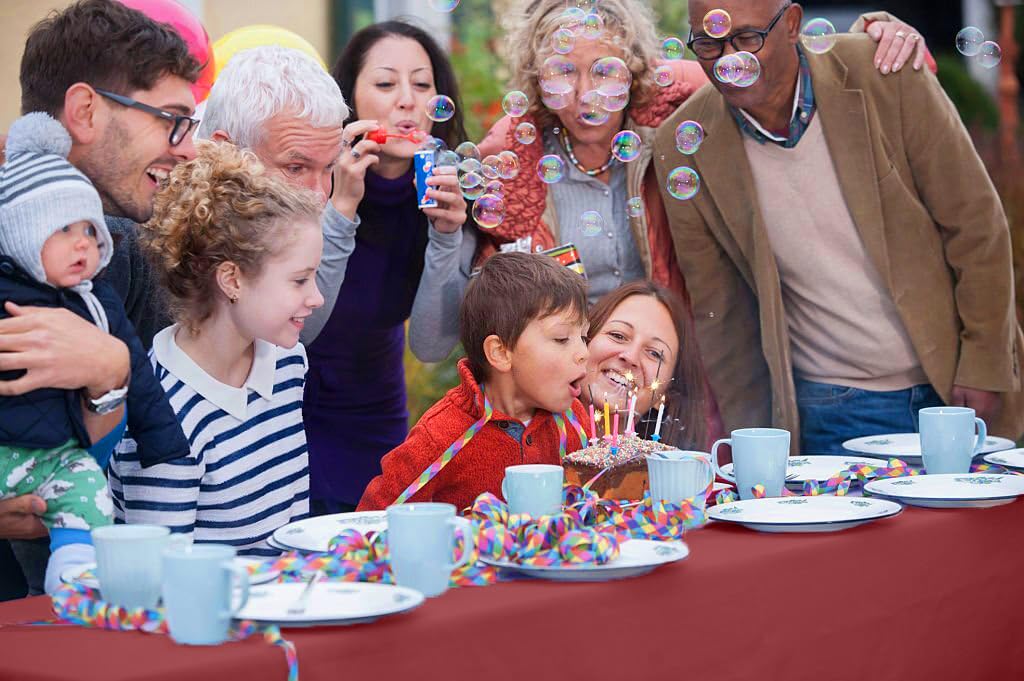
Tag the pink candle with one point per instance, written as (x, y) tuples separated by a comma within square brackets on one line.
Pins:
[(593, 423), (615, 429)]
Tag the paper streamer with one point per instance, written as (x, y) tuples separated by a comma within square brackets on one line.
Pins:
[(81, 605), (447, 455)]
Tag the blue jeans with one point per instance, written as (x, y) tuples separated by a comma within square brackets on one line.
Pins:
[(831, 414)]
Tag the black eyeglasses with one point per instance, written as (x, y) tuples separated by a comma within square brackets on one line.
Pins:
[(181, 125), (706, 47)]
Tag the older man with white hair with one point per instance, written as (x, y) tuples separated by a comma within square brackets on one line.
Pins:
[(281, 104)]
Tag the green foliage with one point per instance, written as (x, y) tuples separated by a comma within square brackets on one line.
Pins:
[(481, 73), (976, 107)]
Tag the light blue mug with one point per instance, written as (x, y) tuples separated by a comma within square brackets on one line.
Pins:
[(759, 457), (948, 442), (535, 489), (198, 584), (421, 541), (129, 564), (675, 475)]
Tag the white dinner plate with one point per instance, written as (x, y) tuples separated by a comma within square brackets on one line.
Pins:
[(950, 490), (823, 513), (314, 534), (86, 574), (799, 469), (636, 557), (907, 446), (331, 603), (1009, 458)]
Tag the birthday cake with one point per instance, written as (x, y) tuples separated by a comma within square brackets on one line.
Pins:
[(626, 474)]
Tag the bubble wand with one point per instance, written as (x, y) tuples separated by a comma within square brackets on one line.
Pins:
[(380, 136)]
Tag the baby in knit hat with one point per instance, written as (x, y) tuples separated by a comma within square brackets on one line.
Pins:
[(53, 242)]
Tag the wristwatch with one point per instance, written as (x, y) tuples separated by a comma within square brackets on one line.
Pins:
[(107, 402)]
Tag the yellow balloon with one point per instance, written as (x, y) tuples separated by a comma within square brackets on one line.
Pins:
[(259, 35)]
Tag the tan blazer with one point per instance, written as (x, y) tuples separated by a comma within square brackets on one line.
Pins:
[(925, 208)]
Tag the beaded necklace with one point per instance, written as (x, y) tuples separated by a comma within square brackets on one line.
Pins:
[(567, 145)]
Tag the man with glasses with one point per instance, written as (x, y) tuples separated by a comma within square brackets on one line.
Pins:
[(120, 85), (840, 278)]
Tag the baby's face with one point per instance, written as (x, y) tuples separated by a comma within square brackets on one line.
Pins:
[(71, 255)]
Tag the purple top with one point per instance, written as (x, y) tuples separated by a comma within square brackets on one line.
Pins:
[(355, 401)]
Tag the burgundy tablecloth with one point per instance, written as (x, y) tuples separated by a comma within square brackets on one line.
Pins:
[(929, 594)]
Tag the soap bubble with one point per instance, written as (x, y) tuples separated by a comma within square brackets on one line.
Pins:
[(717, 23), (969, 41), (446, 159), (491, 167), (626, 146), (443, 5), (469, 165), (635, 207), (818, 36), (990, 54), (557, 79), (468, 150), (612, 78), (593, 26), (556, 101), (573, 19), (672, 49), (471, 179), (440, 108), (515, 103), (489, 211), (664, 75), (585, 5), (508, 166), (563, 40), (689, 136), (550, 169), (431, 144), (750, 70), (592, 109), (526, 133), (475, 192), (495, 187), (591, 223), (728, 68), (683, 183)]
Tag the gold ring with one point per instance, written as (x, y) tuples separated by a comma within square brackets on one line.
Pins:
[(901, 34), (914, 36)]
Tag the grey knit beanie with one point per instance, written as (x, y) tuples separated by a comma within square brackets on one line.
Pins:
[(41, 193)]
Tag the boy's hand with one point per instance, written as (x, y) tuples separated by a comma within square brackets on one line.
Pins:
[(19, 517), (59, 349)]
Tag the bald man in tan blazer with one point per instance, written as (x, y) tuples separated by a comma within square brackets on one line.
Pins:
[(847, 256)]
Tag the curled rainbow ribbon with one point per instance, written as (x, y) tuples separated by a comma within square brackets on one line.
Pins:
[(838, 484), (81, 605)]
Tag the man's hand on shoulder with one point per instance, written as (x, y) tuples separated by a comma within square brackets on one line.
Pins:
[(985, 404), (59, 349)]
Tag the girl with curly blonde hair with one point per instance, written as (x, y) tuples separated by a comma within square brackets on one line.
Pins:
[(238, 250)]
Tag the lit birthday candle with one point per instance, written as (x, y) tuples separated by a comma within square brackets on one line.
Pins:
[(607, 420), (657, 425), (615, 430)]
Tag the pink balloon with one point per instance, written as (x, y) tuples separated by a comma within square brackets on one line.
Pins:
[(188, 26)]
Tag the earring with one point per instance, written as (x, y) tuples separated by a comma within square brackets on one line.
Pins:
[(233, 299)]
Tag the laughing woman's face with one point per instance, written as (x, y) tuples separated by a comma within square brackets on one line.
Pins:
[(636, 349)]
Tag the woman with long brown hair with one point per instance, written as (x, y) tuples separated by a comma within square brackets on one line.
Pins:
[(641, 339)]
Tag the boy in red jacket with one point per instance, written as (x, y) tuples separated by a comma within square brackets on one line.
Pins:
[(523, 324)]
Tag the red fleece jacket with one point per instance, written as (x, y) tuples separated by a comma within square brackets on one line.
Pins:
[(480, 466)]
